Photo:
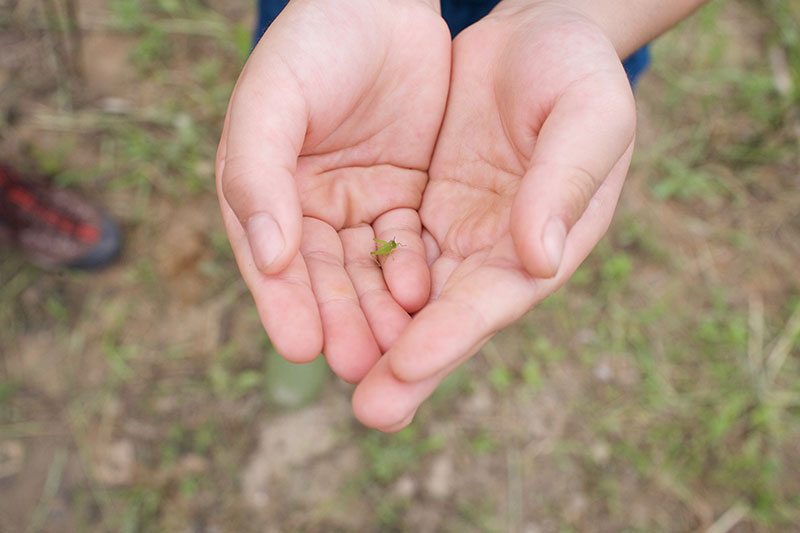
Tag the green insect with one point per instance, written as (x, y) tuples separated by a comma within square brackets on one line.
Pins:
[(384, 248)]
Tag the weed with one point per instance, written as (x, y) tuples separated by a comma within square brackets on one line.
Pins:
[(532, 374), (119, 358), (500, 378), (483, 443), (390, 455), (457, 384), (226, 381)]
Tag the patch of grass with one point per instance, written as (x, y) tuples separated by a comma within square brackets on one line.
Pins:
[(8, 390), (634, 236), (58, 311), (785, 33), (152, 51), (682, 182), (483, 443), (500, 378), (388, 456), (128, 14), (456, 385), (474, 516), (242, 39), (52, 161), (542, 350), (706, 419), (226, 381), (532, 374), (140, 511), (174, 167), (119, 357), (390, 513)]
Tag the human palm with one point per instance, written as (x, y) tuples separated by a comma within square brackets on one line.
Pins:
[(525, 176), (326, 145)]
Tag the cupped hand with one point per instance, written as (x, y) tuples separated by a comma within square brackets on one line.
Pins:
[(326, 145), (530, 161)]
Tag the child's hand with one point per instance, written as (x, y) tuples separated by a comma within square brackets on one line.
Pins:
[(535, 145), (326, 144)]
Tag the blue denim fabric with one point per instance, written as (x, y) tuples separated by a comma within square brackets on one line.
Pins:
[(459, 14), (462, 13), (636, 64), (267, 11)]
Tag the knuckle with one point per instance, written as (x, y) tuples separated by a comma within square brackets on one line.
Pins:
[(621, 110), (580, 186), (234, 186)]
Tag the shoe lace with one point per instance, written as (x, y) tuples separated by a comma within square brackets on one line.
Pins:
[(24, 204)]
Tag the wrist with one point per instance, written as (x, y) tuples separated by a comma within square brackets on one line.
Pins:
[(628, 25), (631, 25)]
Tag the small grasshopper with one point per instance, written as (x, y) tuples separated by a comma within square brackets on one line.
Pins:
[(384, 248)]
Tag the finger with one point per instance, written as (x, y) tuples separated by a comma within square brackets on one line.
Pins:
[(405, 270), (594, 222), (266, 124), (432, 251), (441, 270), (383, 402), (349, 346), (286, 305), (440, 265), (484, 294), (584, 136), (384, 315)]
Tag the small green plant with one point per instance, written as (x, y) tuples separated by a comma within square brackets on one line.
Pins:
[(532, 374), (501, 378), (391, 455), (483, 443), (119, 357)]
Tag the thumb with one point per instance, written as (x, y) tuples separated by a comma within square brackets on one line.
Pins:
[(588, 130), (262, 138)]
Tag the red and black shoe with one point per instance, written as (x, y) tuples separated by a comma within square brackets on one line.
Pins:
[(54, 227)]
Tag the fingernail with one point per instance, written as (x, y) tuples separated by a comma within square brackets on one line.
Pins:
[(266, 239), (553, 238)]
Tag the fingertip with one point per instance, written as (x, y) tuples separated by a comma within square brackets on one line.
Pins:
[(352, 366), (289, 315), (297, 347), (430, 343), (369, 410), (381, 402), (409, 281), (298, 355), (405, 270), (372, 412)]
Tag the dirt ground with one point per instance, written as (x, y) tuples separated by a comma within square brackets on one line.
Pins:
[(658, 391)]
